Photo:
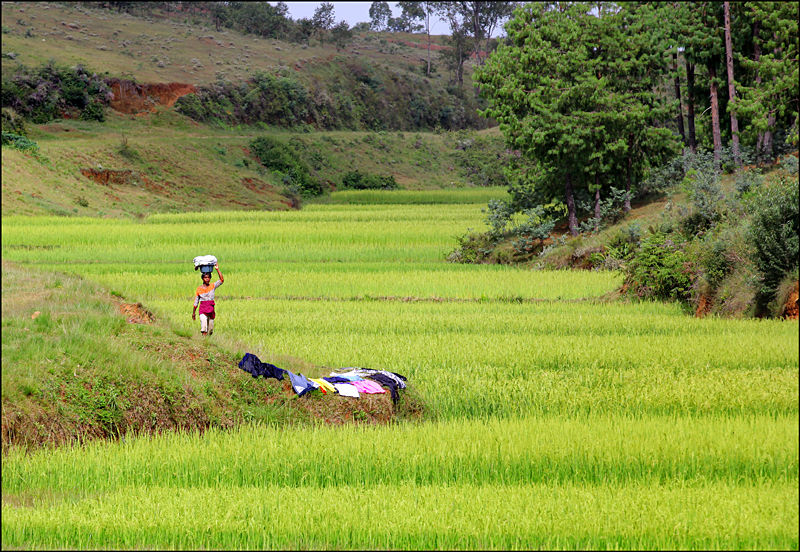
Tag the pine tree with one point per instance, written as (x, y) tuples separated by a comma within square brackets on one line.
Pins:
[(575, 93), (772, 97), (731, 85)]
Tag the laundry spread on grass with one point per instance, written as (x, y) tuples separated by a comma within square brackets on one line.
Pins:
[(347, 382)]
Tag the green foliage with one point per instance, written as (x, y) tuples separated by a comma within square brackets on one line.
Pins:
[(774, 233), (356, 180), (93, 112), (341, 35), (20, 142), (527, 231), (352, 94), (473, 247), (45, 93), (13, 122), (706, 195), (274, 155), (564, 74), (714, 261), (748, 180), (659, 270), (483, 160), (265, 98), (610, 211), (623, 243)]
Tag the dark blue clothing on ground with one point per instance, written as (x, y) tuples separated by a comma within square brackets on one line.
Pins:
[(386, 381), (337, 379), (250, 363)]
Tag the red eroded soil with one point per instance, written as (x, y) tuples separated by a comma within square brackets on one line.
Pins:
[(791, 309), (136, 313), (106, 177), (704, 306), (434, 47), (133, 98)]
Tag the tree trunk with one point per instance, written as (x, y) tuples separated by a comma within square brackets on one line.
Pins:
[(690, 106), (757, 58), (429, 53), (737, 158), (597, 211), (715, 128), (678, 96), (768, 135), (570, 197), (627, 206)]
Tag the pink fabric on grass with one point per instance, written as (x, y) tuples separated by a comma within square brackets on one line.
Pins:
[(367, 386)]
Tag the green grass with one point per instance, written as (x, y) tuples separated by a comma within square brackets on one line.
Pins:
[(479, 196), (189, 167), (600, 482), (553, 419)]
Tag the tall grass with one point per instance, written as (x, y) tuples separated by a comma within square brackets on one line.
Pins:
[(602, 481), (480, 196), (556, 421), (595, 449)]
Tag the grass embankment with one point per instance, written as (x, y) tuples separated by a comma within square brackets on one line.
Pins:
[(147, 158), (131, 46), (165, 163), (79, 363)]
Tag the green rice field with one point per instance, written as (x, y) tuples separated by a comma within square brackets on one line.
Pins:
[(554, 419)]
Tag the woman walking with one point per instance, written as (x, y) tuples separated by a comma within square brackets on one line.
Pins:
[(204, 297)]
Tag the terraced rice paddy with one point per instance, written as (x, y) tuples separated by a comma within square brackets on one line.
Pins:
[(556, 421)]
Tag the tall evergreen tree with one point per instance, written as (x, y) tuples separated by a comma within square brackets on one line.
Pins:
[(772, 97), (731, 85), (574, 92)]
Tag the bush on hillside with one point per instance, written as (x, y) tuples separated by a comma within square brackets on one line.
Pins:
[(483, 160), (774, 233), (46, 93), (356, 180), (660, 269), (13, 122), (20, 142), (275, 156), (346, 94)]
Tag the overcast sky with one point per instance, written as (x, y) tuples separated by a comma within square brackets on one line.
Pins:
[(353, 12)]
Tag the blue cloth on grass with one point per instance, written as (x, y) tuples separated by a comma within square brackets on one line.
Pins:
[(250, 363), (300, 383)]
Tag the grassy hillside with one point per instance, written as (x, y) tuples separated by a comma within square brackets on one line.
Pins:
[(80, 363), (181, 48), (164, 162), (147, 158)]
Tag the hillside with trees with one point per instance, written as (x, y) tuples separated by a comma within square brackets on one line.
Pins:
[(600, 107)]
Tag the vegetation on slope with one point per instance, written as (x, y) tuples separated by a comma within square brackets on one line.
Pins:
[(80, 363)]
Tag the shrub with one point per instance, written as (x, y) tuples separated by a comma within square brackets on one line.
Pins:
[(707, 198), (482, 160), (274, 155), (13, 122), (44, 93), (748, 180), (659, 270), (774, 233), (624, 243), (19, 142), (472, 248), (356, 180), (93, 112)]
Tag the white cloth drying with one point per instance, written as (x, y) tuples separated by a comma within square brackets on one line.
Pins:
[(346, 389)]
